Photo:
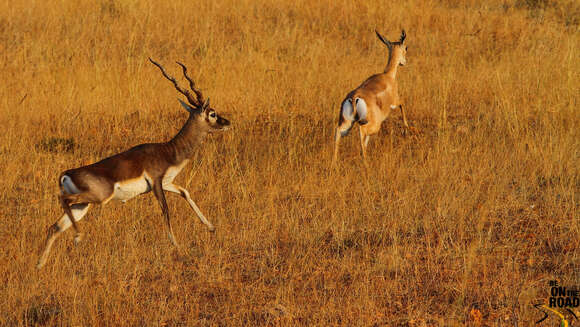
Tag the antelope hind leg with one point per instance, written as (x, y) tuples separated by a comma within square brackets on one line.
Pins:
[(364, 141), (78, 211), (336, 144)]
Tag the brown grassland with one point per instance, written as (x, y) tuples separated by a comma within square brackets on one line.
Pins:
[(461, 224)]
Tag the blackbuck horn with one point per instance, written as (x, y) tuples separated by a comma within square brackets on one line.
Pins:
[(191, 84), (385, 41), (197, 103)]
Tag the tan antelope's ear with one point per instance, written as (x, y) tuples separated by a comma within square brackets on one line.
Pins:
[(385, 41), (403, 36)]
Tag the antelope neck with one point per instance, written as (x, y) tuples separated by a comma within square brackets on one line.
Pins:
[(392, 65), (184, 142)]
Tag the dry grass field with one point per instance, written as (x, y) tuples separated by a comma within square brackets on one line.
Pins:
[(461, 224)]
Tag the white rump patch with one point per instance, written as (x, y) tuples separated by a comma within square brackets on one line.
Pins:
[(361, 109), (68, 185), (347, 110)]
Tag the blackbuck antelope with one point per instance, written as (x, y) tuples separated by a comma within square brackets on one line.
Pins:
[(144, 168), (372, 102)]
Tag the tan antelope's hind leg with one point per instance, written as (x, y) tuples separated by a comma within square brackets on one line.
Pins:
[(364, 141), (158, 191), (185, 194), (78, 211), (336, 143)]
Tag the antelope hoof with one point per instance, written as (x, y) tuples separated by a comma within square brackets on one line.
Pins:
[(40, 264), (211, 228), (78, 238), (172, 239)]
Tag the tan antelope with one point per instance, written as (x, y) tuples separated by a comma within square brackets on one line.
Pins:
[(372, 102), (143, 168)]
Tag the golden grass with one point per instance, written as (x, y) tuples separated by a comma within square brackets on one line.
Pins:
[(463, 224)]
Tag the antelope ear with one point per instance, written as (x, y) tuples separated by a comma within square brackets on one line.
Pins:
[(403, 36), (205, 105), (186, 106)]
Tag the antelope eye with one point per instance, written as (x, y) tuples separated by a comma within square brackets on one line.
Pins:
[(212, 115)]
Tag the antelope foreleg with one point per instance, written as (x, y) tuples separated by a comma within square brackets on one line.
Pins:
[(404, 117), (158, 191), (411, 129), (185, 194)]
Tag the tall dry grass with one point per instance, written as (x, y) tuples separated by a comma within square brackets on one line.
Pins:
[(463, 224)]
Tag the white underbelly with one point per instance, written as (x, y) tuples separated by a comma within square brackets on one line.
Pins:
[(124, 191)]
